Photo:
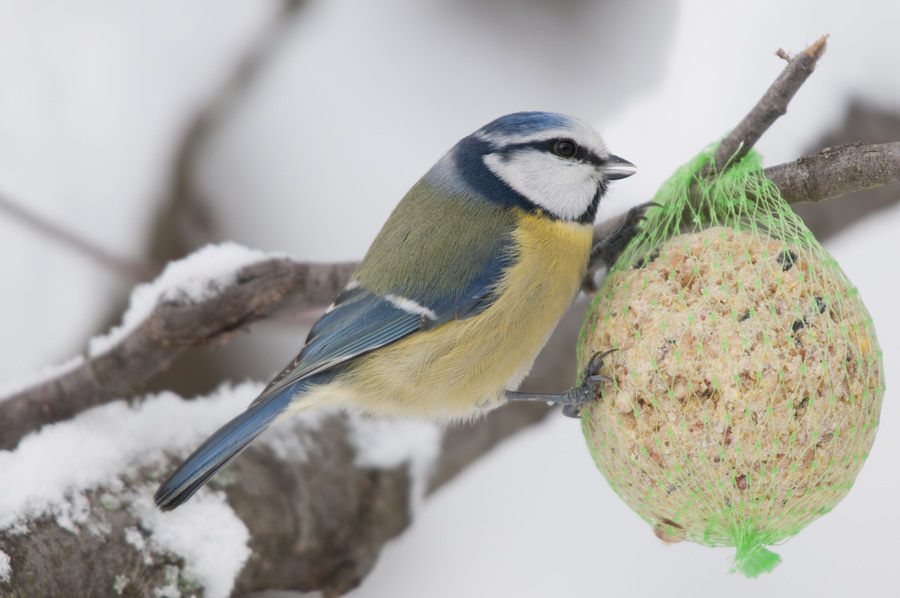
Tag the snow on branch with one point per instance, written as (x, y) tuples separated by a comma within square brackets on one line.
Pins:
[(83, 488), (205, 298), (308, 506)]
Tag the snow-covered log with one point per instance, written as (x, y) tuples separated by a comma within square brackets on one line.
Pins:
[(308, 506)]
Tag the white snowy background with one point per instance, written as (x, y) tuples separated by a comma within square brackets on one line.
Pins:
[(357, 101)]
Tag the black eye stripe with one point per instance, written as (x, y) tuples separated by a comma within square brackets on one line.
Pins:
[(582, 154), (483, 181)]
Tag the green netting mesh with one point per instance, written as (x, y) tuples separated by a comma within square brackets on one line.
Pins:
[(748, 380)]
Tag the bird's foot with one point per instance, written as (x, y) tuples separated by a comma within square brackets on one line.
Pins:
[(609, 249), (575, 398)]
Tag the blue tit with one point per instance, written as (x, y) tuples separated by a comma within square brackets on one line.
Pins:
[(457, 294)]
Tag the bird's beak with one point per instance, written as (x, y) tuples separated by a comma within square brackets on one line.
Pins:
[(615, 168)]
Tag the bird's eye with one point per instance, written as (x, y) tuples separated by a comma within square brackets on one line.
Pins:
[(565, 148)]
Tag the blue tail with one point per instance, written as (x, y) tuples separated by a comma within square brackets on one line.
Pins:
[(221, 448)]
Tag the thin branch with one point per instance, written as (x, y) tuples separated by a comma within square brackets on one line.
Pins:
[(837, 170), (132, 270), (772, 105)]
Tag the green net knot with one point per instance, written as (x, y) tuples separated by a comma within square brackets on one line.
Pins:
[(752, 557)]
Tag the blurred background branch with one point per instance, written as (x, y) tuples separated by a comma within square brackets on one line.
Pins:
[(132, 271), (185, 222)]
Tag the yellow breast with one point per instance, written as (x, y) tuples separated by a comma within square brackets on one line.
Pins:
[(457, 369)]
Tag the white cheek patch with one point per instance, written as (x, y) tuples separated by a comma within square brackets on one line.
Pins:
[(565, 189)]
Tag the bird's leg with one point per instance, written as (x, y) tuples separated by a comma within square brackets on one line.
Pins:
[(573, 399), (609, 249)]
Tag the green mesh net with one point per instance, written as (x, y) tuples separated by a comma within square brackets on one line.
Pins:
[(748, 381)]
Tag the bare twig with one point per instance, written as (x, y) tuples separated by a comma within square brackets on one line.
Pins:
[(837, 170), (772, 105)]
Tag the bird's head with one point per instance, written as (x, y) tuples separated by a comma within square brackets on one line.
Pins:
[(539, 160)]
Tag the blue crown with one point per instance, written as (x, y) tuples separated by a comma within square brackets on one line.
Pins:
[(525, 122)]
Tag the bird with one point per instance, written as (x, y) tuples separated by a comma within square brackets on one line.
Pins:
[(457, 294)]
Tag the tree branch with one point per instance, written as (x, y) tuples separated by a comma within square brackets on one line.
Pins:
[(837, 170), (124, 371), (185, 221), (326, 517), (771, 105)]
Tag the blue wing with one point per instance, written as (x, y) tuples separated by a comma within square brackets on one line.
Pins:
[(439, 257), (361, 321)]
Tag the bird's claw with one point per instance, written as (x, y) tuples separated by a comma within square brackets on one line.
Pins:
[(629, 227), (609, 249), (639, 212), (595, 363), (572, 410), (586, 392)]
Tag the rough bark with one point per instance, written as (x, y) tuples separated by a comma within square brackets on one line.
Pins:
[(836, 171)]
